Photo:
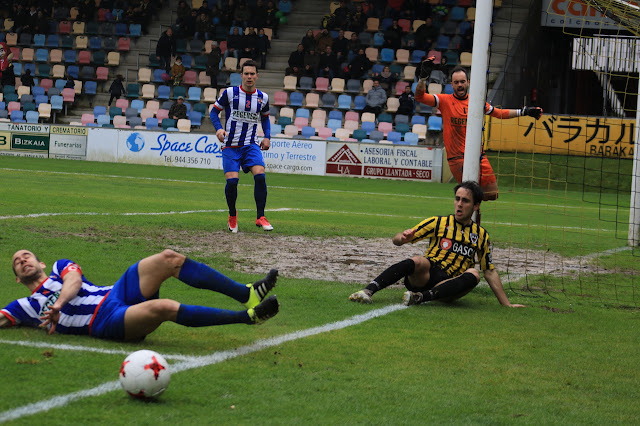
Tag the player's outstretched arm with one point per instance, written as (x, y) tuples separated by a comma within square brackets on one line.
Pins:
[(4, 321), (71, 284), (493, 278), (403, 237)]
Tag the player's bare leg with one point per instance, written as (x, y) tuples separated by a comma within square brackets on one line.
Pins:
[(154, 270)]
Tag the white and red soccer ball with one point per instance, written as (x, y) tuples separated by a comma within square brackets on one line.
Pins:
[(144, 374)]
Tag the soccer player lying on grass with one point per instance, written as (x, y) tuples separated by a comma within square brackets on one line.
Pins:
[(446, 272), (66, 302)]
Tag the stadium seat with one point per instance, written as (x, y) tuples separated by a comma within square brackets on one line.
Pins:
[(359, 102), (190, 78), (95, 43), (307, 132), (420, 130), (203, 79), (402, 56), (300, 122), (164, 92), (102, 73), (351, 125), (235, 79), (306, 83), (121, 29), (109, 44), (73, 71), (144, 75), (335, 115), (194, 94), (90, 87), (295, 99), (400, 86), (87, 72), (325, 132), (402, 128), (368, 126), (334, 124), (337, 85), (55, 56), (120, 122), (387, 55), (385, 127), (280, 98), (319, 114), (135, 30), (312, 100), (465, 59), (322, 84), (378, 39), (152, 123), (196, 118), (367, 85), (442, 42), (17, 116), (434, 123), (114, 110), (411, 138), (113, 59), (290, 130), (27, 54), (122, 103), (394, 137), (353, 86), (372, 54), (290, 83), (328, 100), (84, 57), (133, 90), (344, 102), (372, 24), (39, 40), (124, 44), (352, 116), (183, 124), (168, 123), (210, 94), (87, 118), (179, 91)]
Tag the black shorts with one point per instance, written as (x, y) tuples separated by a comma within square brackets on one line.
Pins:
[(437, 275)]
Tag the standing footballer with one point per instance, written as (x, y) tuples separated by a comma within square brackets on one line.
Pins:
[(245, 106)]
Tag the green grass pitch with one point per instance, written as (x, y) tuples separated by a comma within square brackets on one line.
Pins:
[(570, 357)]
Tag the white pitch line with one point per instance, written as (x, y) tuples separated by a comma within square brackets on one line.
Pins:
[(292, 188), (284, 209), (197, 362)]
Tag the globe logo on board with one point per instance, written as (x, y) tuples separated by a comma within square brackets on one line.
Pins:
[(135, 142)]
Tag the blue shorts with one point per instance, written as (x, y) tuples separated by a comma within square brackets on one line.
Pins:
[(246, 156), (109, 322)]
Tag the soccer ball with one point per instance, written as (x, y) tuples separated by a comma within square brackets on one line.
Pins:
[(144, 374)]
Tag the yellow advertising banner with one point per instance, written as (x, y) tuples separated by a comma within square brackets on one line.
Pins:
[(563, 134)]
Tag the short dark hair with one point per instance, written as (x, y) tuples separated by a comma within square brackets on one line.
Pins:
[(249, 63), (458, 69), (476, 191)]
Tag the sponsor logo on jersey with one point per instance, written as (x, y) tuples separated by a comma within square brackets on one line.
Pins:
[(445, 244), (474, 238), (245, 116)]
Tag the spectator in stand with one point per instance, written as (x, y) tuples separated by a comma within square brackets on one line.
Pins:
[(426, 35), (359, 66), (19, 17), (178, 110), (358, 19), (329, 65), (422, 10), (205, 9), (8, 77), (165, 49), (183, 12), (296, 62), (376, 99), (226, 10), (259, 15), (87, 10), (386, 78), (241, 15), (40, 24), (354, 44), (393, 36), (467, 38), (26, 79), (323, 39), (250, 45), (177, 71), (189, 25), (213, 64), (203, 27), (272, 21), (71, 83), (396, 9), (341, 46), (234, 44), (117, 88), (311, 63), (264, 45), (309, 41), (144, 14), (378, 8), (341, 16), (407, 102)]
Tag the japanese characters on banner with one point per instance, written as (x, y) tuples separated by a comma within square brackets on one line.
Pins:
[(565, 135), (384, 161)]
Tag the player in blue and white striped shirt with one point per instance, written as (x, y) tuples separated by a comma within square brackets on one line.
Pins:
[(245, 106), (66, 302)]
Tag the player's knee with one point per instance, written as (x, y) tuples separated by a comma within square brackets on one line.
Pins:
[(164, 309), (475, 273), (422, 263), (172, 258)]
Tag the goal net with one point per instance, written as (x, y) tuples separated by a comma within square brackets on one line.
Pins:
[(566, 223)]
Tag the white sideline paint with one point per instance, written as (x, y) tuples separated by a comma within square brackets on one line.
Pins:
[(528, 205), (197, 362), (283, 209)]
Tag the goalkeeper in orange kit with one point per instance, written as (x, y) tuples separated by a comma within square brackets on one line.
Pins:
[(454, 109)]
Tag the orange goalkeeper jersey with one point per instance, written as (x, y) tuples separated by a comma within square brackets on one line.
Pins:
[(454, 119)]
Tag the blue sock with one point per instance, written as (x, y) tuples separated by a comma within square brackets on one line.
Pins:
[(260, 194), (231, 192), (202, 316), (199, 275)]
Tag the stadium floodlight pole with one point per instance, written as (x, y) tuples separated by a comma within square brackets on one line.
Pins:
[(477, 90), (634, 210)]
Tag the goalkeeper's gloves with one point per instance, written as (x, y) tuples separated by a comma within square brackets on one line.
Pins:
[(534, 112), (426, 67)]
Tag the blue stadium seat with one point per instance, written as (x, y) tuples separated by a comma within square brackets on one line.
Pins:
[(359, 134), (42, 55), (296, 98), (157, 75), (164, 92), (138, 104), (194, 94), (187, 60), (442, 42), (70, 56), (335, 115), (308, 131), (306, 83), (385, 117), (387, 55), (53, 40), (334, 124), (135, 30), (33, 116), (411, 138), (99, 110), (368, 126), (376, 135), (131, 112), (457, 13), (235, 79), (365, 38), (59, 84), (114, 110), (359, 103), (302, 112), (135, 121), (284, 121), (378, 39), (448, 89), (402, 128), (328, 100), (196, 118), (103, 120), (344, 102), (417, 55), (74, 71), (17, 116), (353, 86), (386, 23), (152, 123), (121, 29), (276, 129), (434, 123), (41, 99), (40, 40), (179, 91), (377, 68), (401, 118), (418, 119), (95, 43), (109, 44), (30, 67), (168, 123), (284, 6), (394, 137)]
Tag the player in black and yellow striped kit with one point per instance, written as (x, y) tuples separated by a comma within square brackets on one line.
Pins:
[(447, 270)]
